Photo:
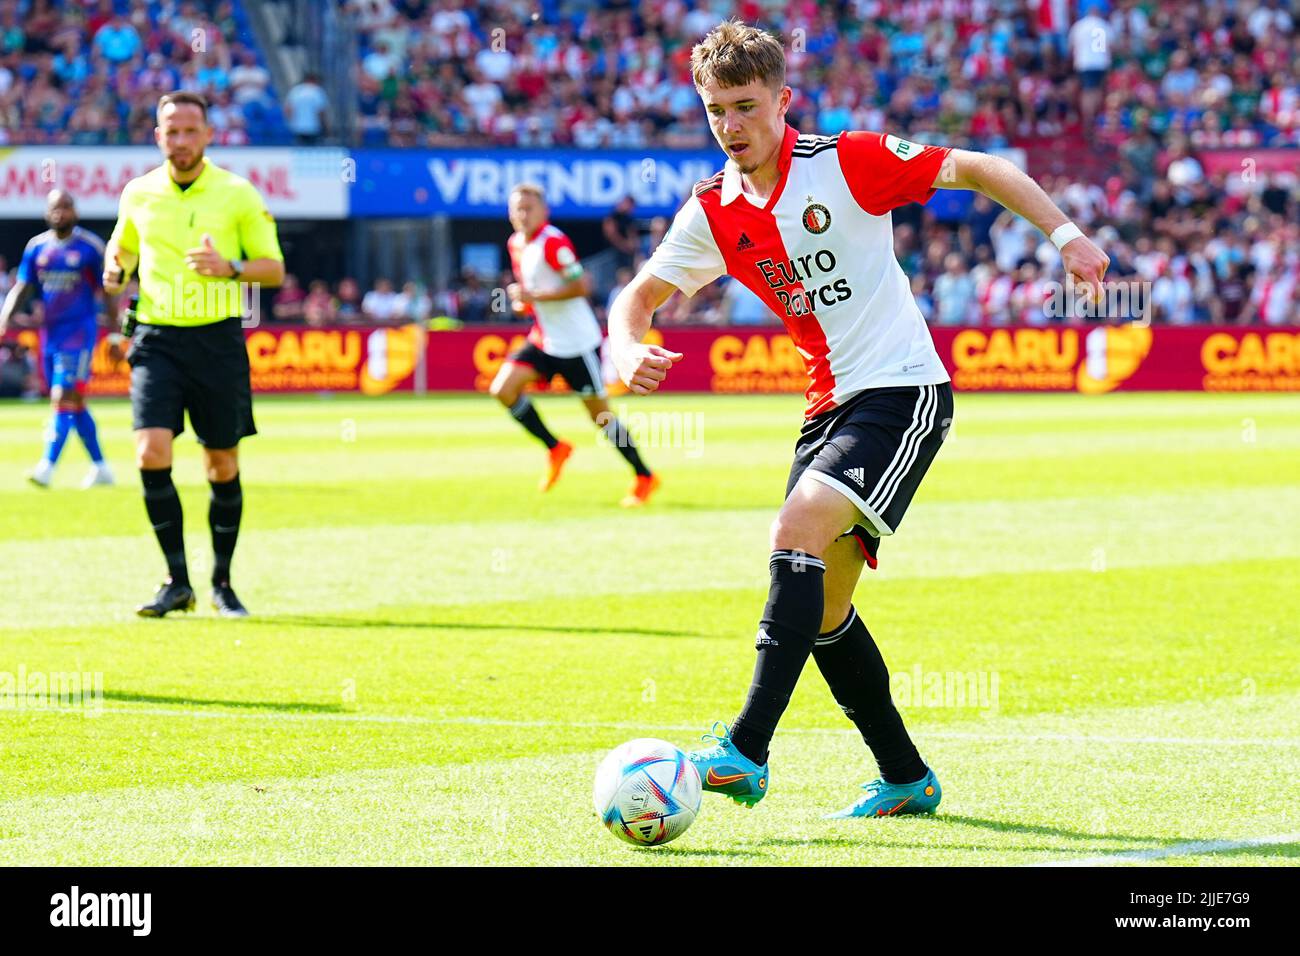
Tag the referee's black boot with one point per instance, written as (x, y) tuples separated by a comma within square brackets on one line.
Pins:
[(170, 597), (225, 603)]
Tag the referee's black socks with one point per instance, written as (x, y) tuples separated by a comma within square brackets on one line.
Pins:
[(786, 635), (225, 509), (851, 663), (164, 508)]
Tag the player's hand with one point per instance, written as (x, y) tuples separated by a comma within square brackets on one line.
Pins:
[(643, 367), (519, 296), (206, 261), (1084, 260)]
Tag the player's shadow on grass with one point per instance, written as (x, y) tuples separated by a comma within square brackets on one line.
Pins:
[(293, 620), (1004, 826), (1128, 842), (133, 698)]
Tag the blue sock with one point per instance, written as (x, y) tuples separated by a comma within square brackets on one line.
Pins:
[(89, 435), (57, 435)]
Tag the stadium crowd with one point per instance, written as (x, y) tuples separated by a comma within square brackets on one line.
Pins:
[(89, 72), (966, 72)]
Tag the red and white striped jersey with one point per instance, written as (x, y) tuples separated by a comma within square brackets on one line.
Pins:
[(547, 262), (820, 253)]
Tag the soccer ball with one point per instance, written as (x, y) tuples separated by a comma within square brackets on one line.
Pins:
[(647, 792)]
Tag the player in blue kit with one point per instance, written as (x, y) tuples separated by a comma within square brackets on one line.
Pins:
[(64, 264)]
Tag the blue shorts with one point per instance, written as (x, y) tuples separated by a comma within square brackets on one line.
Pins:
[(68, 370)]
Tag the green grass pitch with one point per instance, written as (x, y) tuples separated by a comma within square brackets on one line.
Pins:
[(441, 655)]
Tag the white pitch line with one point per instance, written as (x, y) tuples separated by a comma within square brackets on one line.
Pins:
[(1178, 849), (644, 725)]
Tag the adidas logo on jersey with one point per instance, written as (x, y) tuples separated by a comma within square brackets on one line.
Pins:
[(745, 243), (858, 475)]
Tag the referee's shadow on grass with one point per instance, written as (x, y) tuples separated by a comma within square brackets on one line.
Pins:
[(294, 620), (133, 698)]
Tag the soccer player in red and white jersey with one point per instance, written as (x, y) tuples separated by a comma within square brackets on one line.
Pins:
[(565, 338), (804, 222)]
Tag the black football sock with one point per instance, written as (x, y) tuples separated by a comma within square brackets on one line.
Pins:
[(620, 439), (785, 639), (225, 508), (164, 508), (851, 663), (527, 416)]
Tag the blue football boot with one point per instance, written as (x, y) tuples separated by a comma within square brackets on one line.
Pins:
[(883, 799), (724, 769)]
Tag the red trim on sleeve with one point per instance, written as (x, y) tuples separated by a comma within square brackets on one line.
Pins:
[(879, 179), (555, 241)]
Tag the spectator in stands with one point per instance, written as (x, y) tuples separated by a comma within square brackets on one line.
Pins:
[(17, 372), (954, 292), (318, 306), (306, 111), (117, 41), (249, 81), (620, 231), (287, 306), (347, 304), (474, 301), (1090, 47), (413, 304), (380, 303)]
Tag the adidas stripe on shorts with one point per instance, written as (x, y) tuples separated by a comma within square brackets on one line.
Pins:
[(875, 449)]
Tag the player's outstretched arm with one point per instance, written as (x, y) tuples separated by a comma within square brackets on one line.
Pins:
[(579, 288), (17, 297), (641, 367), (1006, 185)]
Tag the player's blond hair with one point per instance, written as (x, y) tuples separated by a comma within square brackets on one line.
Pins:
[(735, 53), (531, 189)]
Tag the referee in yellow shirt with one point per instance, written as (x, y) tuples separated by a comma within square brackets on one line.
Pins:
[(199, 236)]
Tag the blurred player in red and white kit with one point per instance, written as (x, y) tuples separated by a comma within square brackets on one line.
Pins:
[(804, 222), (565, 338)]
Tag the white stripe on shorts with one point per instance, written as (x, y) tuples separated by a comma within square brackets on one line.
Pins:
[(922, 422), (592, 361)]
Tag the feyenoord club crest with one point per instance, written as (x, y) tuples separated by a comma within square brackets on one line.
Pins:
[(816, 218)]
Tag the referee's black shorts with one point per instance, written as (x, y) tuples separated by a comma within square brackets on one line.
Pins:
[(202, 369), (875, 449)]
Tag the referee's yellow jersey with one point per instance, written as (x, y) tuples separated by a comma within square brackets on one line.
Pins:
[(159, 221)]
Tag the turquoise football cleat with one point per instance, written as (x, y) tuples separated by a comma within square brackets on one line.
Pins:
[(725, 770), (883, 799)]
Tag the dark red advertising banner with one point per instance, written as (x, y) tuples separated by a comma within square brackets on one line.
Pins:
[(368, 360), (1087, 359)]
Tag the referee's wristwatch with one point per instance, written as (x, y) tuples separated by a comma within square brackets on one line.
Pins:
[(236, 267)]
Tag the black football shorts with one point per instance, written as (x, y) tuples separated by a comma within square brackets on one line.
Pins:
[(581, 372), (202, 369), (874, 450)]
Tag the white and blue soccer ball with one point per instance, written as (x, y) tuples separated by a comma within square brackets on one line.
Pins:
[(647, 792)]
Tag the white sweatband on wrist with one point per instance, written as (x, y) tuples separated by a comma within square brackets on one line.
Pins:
[(1064, 233)]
